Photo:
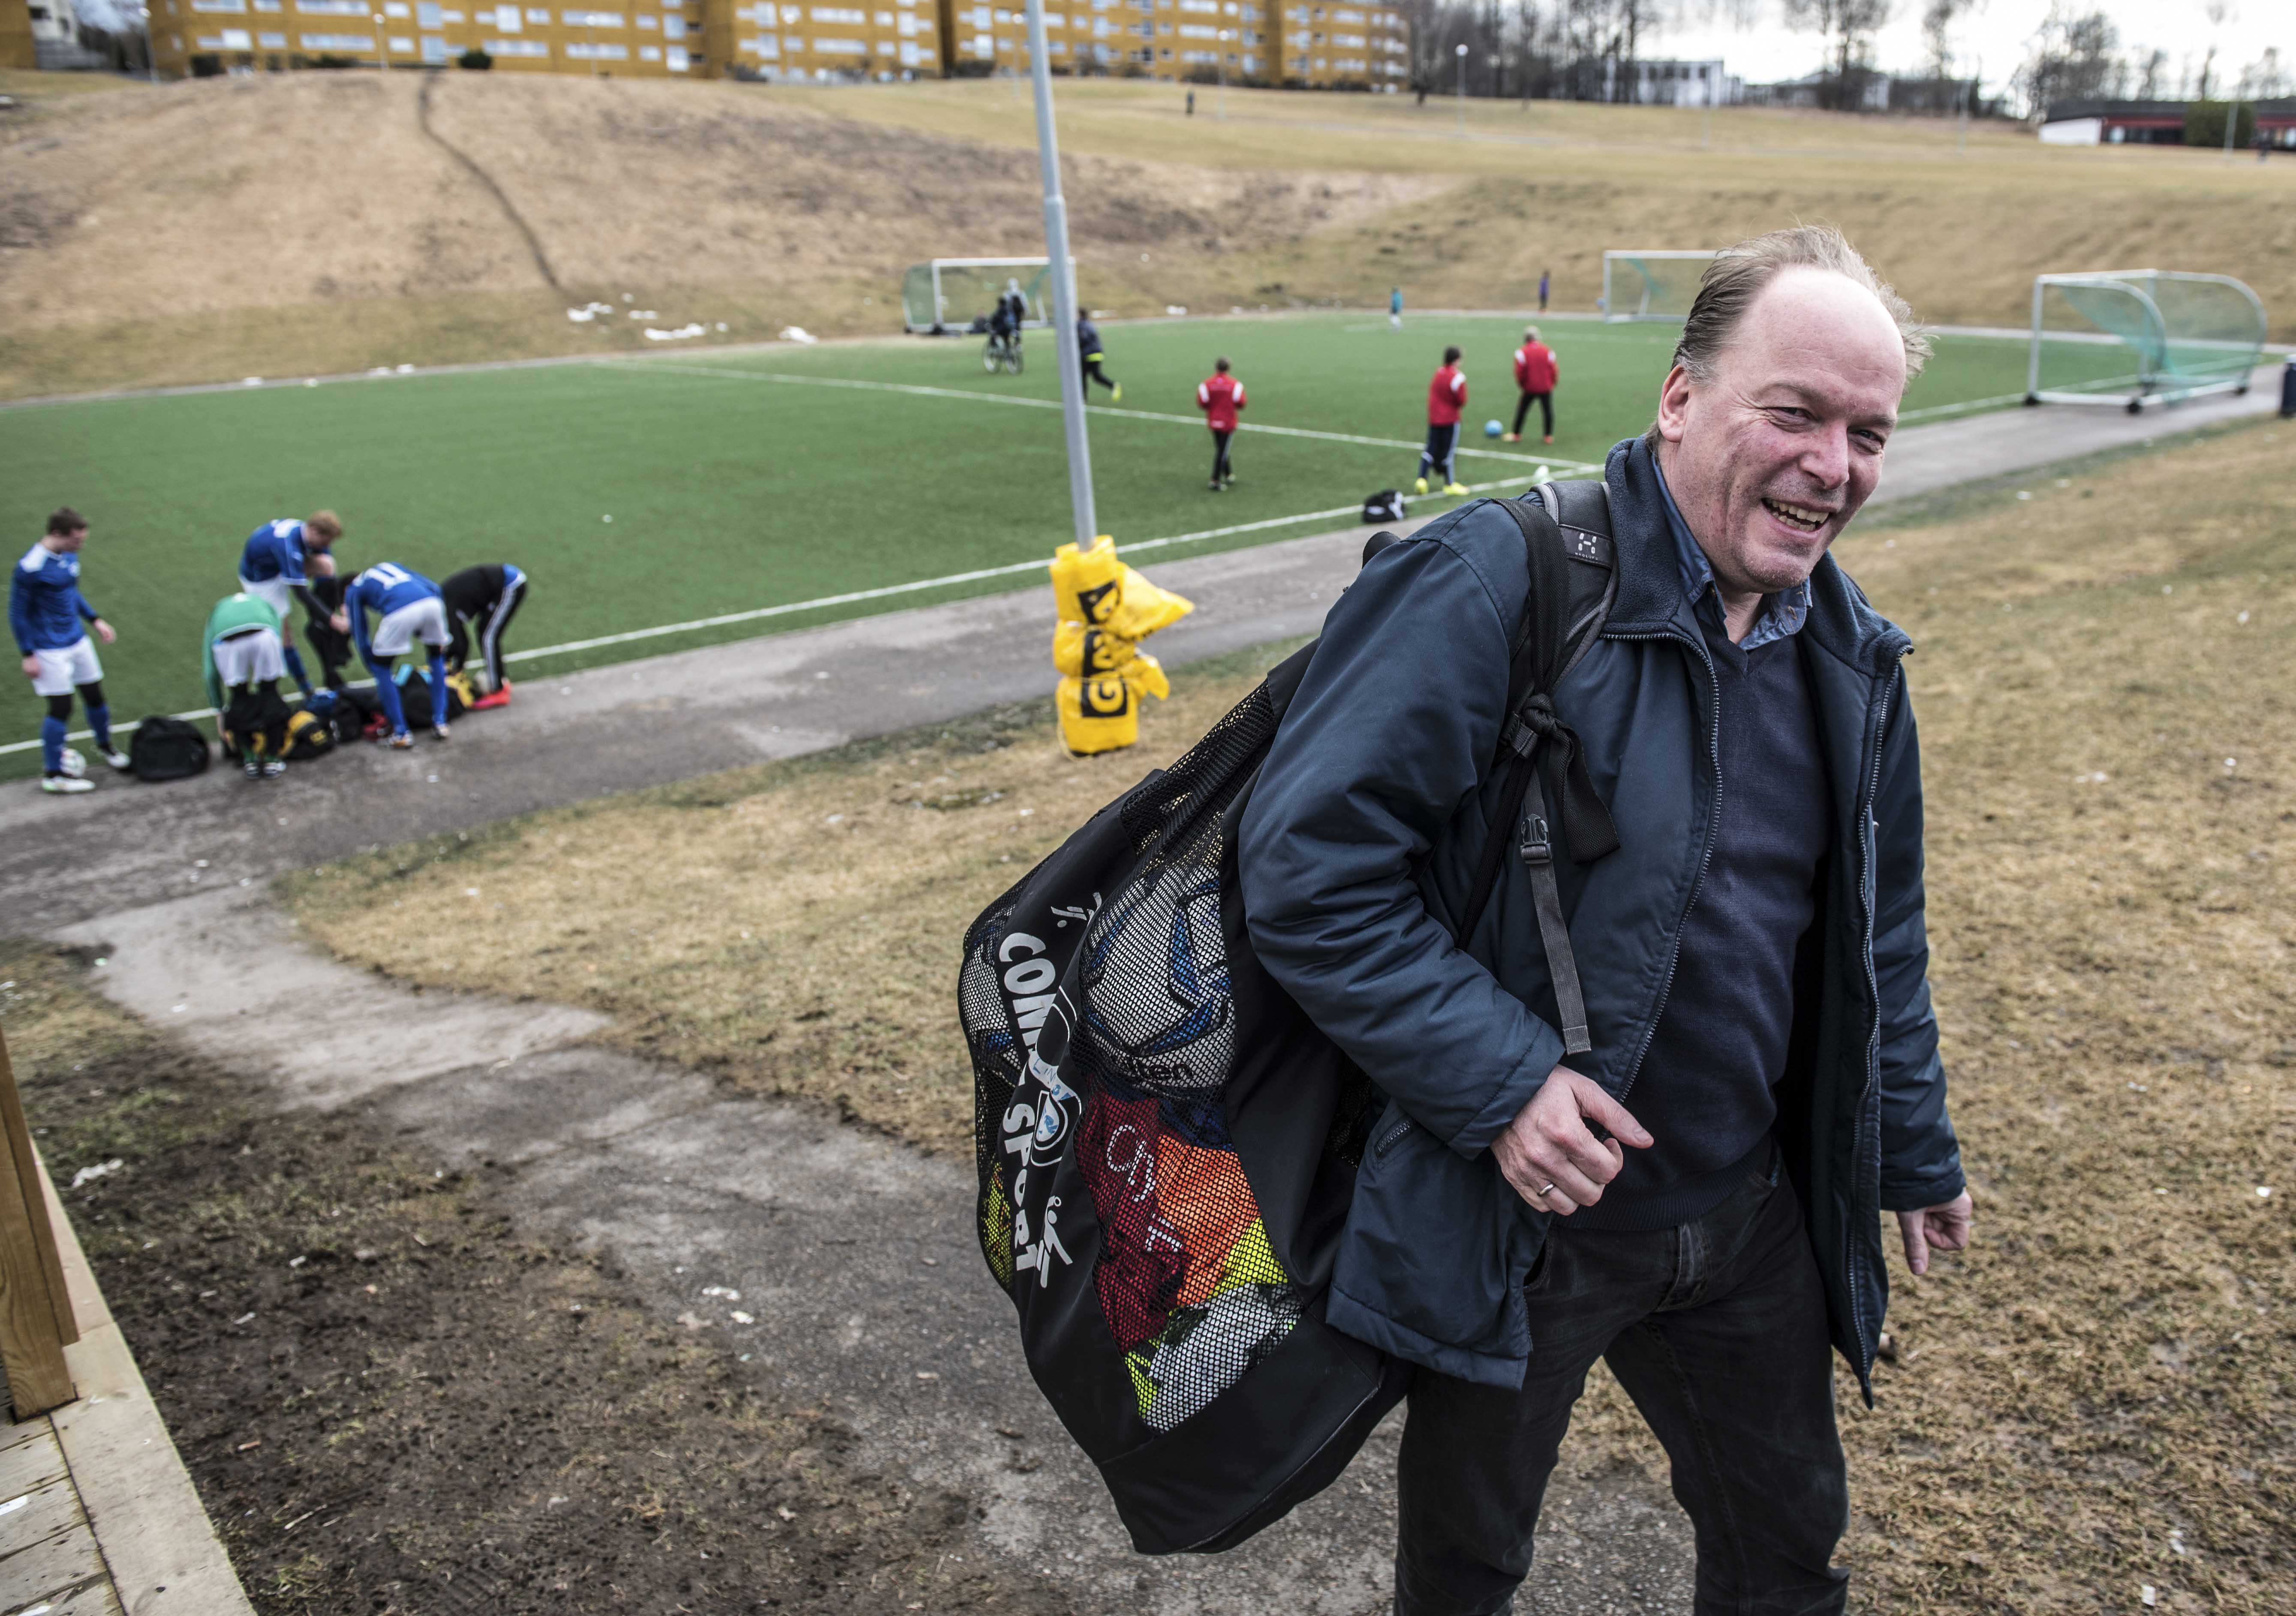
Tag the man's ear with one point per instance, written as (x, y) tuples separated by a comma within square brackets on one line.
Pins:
[(1674, 404)]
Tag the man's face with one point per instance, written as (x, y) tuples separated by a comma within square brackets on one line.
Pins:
[(1770, 458), (65, 544)]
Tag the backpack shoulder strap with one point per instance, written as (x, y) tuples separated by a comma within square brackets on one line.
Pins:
[(1573, 583)]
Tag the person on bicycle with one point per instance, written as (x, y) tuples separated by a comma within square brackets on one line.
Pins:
[(1005, 322)]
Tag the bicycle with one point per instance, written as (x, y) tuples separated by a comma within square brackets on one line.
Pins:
[(1001, 353)]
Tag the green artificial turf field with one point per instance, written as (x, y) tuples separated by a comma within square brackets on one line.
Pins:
[(737, 482)]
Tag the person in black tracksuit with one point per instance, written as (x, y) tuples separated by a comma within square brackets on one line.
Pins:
[(482, 600), (1089, 355)]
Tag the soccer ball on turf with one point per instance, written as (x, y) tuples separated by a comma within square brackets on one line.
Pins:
[(75, 765), (1491, 429)]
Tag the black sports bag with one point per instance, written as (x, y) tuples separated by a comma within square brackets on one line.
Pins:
[(166, 748), (1167, 1145), (1386, 506)]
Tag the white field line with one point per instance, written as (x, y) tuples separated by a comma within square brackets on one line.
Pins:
[(760, 613), (917, 391)]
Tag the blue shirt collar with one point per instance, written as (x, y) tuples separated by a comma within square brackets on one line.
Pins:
[(1782, 614)]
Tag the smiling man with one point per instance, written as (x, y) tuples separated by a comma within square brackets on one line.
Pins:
[(1696, 1199)]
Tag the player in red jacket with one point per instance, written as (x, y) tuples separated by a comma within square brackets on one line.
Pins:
[(1446, 395), (1534, 373), (1220, 395)]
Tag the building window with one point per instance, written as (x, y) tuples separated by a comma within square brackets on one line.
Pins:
[(678, 61), (579, 52), (516, 47), (338, 42), (434, 50), (649, 53), (592, 19), (673, 28), (272, 41)]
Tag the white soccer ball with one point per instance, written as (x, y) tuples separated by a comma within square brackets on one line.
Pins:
[(75, 765)]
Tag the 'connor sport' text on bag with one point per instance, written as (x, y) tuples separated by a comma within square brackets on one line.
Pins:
[(1167, 1145)]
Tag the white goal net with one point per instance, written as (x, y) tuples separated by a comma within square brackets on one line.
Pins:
[(951, 294), (1650, 285), (2134, 337)]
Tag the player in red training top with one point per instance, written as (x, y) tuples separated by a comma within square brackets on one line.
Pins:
[(1535, 371), (1220, 395), (1446, 395)]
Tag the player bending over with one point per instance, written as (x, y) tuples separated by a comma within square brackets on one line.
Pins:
[(1220, 395), (46, 609), (1089, 356), (486, 597), (276, 568), (241, 659), (1446, 395), (409, 608), (1536, 371)]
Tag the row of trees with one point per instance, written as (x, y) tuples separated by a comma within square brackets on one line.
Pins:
[(2077, 56), (1586, 50)]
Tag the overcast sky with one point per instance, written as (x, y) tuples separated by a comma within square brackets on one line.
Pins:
[(1996, 34)]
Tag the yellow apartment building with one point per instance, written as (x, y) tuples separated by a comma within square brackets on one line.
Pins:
[(869, 38), (1322, 46), (645, 39), (16, 48)]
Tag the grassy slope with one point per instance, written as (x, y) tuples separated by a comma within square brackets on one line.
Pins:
[(730, 494), (761, 208), (1551, 185), (2109, 916)]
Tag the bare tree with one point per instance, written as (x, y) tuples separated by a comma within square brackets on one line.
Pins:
[(2076, 57), (2153, 75), (1847, 28)]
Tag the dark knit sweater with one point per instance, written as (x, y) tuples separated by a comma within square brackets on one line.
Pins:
[(1705, 1089)]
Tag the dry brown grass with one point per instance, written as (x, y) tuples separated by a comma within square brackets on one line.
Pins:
[(284, 225), (2105, 1377)]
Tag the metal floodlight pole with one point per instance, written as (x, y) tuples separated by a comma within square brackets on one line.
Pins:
[(1219, 67), (1064, 300), (2232, 122), (1462, 92)]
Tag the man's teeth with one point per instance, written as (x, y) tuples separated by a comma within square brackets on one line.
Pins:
[(1798, 516)]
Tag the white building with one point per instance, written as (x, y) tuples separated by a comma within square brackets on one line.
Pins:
[(1675, 84)]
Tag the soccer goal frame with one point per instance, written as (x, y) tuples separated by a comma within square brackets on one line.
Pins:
[(1645, 288), (926, 289), (2190, 334)]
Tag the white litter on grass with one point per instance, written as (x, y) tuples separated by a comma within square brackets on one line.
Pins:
[(834, 819), (469, 892), (2264, 1192), (297, 1262), (645, 314), (629, 297), (88, 1175), (310, 381), (244, 1318), (251, 381), (590, 312), (2243, 618), (2024, 493), (2149, 1597), (2097, 778), (405, 370), (679, 335), (2177, 1540), (727, 1293), (739, 1317), (798, 333), (2232, 763), (721, 325), (1170, 308)]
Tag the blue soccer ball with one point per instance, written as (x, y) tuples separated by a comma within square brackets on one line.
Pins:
[(1491, 429)]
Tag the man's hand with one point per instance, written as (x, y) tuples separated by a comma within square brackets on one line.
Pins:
[(31, 666), (1943, 1228), (340, 623), (103, 631), (1550, 1155)]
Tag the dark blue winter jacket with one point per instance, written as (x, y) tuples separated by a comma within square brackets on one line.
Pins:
[(1361, 841)]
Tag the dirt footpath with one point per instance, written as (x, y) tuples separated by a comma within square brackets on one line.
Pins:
[(392, 1400), (776, 1313)]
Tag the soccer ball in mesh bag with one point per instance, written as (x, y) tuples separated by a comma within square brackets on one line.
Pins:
[(1157, 1000), (75, 765)]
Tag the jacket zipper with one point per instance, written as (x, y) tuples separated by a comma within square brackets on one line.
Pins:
[(1706, 853), (1868, 897)]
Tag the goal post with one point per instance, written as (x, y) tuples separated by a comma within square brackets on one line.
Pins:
[(945, 295), (2133, 337), (1650, 286)]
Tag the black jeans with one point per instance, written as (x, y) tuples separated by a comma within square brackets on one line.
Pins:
[(1221, 469), (1546, 411), (1717, 1329)]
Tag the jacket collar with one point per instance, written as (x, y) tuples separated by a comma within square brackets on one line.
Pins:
[(1651, 595)]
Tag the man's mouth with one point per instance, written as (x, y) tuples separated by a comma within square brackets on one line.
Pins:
[(1801, 519)]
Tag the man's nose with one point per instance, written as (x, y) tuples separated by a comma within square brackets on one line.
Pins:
[(1825, 457)]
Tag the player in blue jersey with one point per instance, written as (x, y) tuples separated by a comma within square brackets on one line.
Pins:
[(276, 567), (46, 613), (409, 608)]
